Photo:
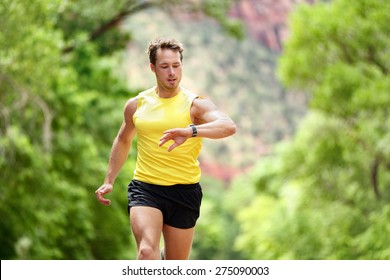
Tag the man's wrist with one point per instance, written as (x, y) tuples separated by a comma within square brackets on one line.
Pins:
[(194, 131), (108, 182)]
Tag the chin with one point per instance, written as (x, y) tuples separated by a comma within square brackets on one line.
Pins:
[(172, 86)]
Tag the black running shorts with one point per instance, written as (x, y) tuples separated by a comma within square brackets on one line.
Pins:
[(179, 204)]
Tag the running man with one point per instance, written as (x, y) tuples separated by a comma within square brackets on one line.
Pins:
[(170, 122)]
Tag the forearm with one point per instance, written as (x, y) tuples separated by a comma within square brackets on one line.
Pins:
[(119, 153), (220, 128)]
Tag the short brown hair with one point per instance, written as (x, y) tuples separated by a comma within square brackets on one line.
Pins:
[(164, 43)]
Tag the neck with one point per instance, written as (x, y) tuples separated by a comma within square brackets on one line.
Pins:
[(167, 93)]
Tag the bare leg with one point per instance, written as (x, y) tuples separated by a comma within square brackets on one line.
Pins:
[(178, 242), (146, 224)]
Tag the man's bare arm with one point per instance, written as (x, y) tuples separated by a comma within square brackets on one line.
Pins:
[(209, 122), (119, 151)]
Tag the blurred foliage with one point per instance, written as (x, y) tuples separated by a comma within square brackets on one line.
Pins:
[(62, 90), (324, 194), (57, 126), (217, 228), (321, 195)]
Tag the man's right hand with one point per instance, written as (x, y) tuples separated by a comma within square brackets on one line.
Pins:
[(104, 189)]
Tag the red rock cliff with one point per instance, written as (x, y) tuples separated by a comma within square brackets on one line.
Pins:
[(266, 20)]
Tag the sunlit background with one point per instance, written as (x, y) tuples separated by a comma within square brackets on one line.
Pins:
[(307, 82)]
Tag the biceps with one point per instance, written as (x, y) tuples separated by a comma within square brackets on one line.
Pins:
[(205, 111), (214, 115)]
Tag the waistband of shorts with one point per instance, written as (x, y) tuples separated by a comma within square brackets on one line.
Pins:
[(176, 186)]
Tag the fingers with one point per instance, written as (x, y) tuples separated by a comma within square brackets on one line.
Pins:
[(102, 200), (177, 135), (177, 142), (165, 138), (174, 145), (168, 135), (106, 188)]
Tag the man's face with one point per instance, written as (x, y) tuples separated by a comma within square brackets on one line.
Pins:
[(168, 69)]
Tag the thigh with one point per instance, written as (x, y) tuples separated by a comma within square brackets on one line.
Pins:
[(177, 242), (146, 224)]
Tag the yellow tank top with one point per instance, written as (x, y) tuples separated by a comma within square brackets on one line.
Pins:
[(154, 115)]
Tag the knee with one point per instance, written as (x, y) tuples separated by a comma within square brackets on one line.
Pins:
[(147, 252)]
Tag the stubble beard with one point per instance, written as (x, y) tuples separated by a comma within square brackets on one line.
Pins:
[(169, 86)]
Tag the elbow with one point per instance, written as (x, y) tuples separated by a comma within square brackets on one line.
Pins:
[(231, 129), (122, 140)]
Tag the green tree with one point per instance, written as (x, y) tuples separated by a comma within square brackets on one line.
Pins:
[(349, 42), (61, 95), (52, 143), (320, 195)]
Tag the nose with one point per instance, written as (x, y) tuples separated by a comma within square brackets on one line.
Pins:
[(171, 71)]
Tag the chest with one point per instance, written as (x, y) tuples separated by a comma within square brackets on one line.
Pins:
[(157, 116)]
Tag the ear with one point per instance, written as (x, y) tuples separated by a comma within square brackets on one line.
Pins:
[(152, 67)]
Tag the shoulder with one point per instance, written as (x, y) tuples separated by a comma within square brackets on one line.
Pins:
[(189, 94), (201, 110), (130, 108), (148, 92), (203, 104), (198, 102), (132, 104)]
